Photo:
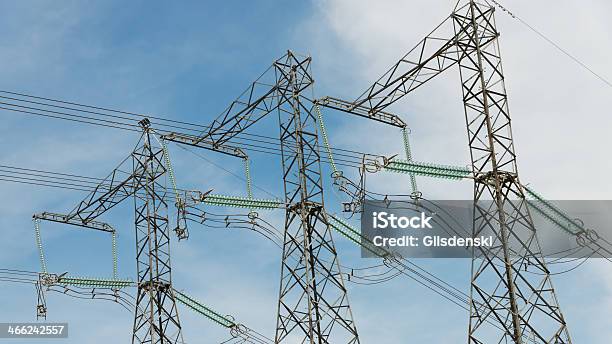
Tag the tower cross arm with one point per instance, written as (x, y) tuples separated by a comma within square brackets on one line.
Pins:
[(433, 55), (263, 96)]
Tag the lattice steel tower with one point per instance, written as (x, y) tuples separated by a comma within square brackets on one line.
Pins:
[(141, 175), (510, 283), (313, 306), (156, 319), (512, 297)]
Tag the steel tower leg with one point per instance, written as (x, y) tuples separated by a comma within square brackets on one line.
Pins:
[(156, 319), (313, 306), (511, 284)]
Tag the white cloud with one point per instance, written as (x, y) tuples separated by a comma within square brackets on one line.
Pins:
[(357, 41)]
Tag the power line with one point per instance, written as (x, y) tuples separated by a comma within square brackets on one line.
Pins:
[(82, 183), (254, 145), (555, 45), (253, 142), (226, 170)]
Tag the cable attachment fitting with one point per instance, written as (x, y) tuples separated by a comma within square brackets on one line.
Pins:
[(391, 259), (253, 215), (351, 207), (41, 304), (181, 220), (238, 331), (41, 311), (47, 280), (338, 180), (586, 237), (375, 163), (145, 123)]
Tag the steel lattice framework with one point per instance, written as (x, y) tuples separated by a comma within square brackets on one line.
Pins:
[(156, 319), (313, 306), (313, 303), (523, 302), (141, 175), (510, 285)]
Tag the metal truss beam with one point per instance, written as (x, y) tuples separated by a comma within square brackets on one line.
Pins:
[(61, 218), (348, 107), (264, 96), (193, 140), (433, 55), (114, 189)]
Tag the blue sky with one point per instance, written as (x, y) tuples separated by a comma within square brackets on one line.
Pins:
[(187, 61)]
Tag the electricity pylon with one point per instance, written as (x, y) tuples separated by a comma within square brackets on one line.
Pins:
[(523, 302), (156, 319), (140, 175), (512, 297), (313, 306)]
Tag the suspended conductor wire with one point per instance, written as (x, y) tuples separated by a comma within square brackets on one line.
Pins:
[(48, 178), (368, 279), (401, 262), (19, 272), (186, 125), (224, 169), (237, 221), (434, 285), (254, 142), (554, 44), (275, 236), (17, 280), (94, 294), (18, 276)]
